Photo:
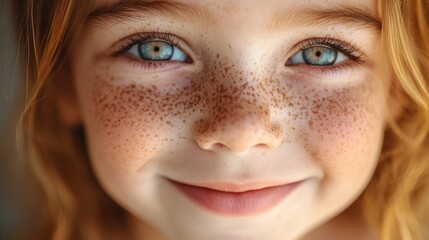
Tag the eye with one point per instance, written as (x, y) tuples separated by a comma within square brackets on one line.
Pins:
[(157, 50), (318, 56)]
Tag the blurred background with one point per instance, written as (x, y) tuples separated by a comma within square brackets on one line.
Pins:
[(18, 191)]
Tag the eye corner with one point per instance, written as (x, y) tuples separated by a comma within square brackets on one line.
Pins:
[(295, 59), (189, 60)]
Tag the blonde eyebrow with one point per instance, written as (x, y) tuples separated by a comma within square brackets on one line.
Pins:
[(137, 9), (352, 16)]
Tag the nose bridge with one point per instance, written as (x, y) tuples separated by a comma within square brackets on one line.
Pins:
[(239, 107), (239, 115)]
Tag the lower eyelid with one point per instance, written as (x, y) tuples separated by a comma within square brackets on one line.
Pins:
[(150, 66), (320, 72)]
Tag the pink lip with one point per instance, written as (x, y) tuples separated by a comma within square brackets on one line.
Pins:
[(236, 203)]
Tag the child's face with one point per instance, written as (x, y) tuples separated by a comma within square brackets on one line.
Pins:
[(255, 94)]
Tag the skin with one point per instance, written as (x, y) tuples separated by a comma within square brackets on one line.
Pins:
[(237, 113)]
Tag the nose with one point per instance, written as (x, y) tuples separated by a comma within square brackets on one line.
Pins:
[(237, 122)]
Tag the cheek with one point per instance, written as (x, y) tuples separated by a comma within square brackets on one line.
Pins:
[(130, 123), (344, 130)]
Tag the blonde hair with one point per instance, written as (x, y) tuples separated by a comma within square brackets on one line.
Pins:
[(395, 201)]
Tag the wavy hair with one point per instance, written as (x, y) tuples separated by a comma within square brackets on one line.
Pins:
[(77, 207), (395, 201)]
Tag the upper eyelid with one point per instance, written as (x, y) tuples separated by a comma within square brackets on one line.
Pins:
[(124, 44), (121, 46), (309, 42)]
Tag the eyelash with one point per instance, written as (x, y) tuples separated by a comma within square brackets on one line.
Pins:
[(141, 37), (347, 48), (350, 50)]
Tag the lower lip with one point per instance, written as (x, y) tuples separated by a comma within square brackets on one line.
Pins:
[(236, 204)]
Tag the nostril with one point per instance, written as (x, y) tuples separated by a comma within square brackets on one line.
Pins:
[(252, 132), (218, 146), (262, 146), (213, 146), (239, 141), (233, 148)]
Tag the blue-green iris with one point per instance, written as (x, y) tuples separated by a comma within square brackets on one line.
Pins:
[(320, 56), (156, 51)]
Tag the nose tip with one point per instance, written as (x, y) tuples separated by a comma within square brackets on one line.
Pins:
[(237, 116), (238, 138)]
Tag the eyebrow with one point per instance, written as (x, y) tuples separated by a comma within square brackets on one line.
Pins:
[(358, 17), (137, 9)]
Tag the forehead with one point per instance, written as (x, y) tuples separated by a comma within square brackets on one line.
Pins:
[(267, 3), (270, 15)]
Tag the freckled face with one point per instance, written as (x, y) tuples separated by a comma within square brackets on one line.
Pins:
[(241, 109)]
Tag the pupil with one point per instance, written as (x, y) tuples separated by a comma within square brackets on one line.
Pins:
[(319, 56), (156, 51)]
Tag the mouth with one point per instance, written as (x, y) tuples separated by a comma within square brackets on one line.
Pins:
[(235, 200)]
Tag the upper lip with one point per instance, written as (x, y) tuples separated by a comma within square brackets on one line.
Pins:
[(234, 187)]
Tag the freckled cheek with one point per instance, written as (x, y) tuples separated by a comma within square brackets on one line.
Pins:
[(132, 124), (339, 123), (345, 132)]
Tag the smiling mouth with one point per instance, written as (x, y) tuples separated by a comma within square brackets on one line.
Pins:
[(234, 202)]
